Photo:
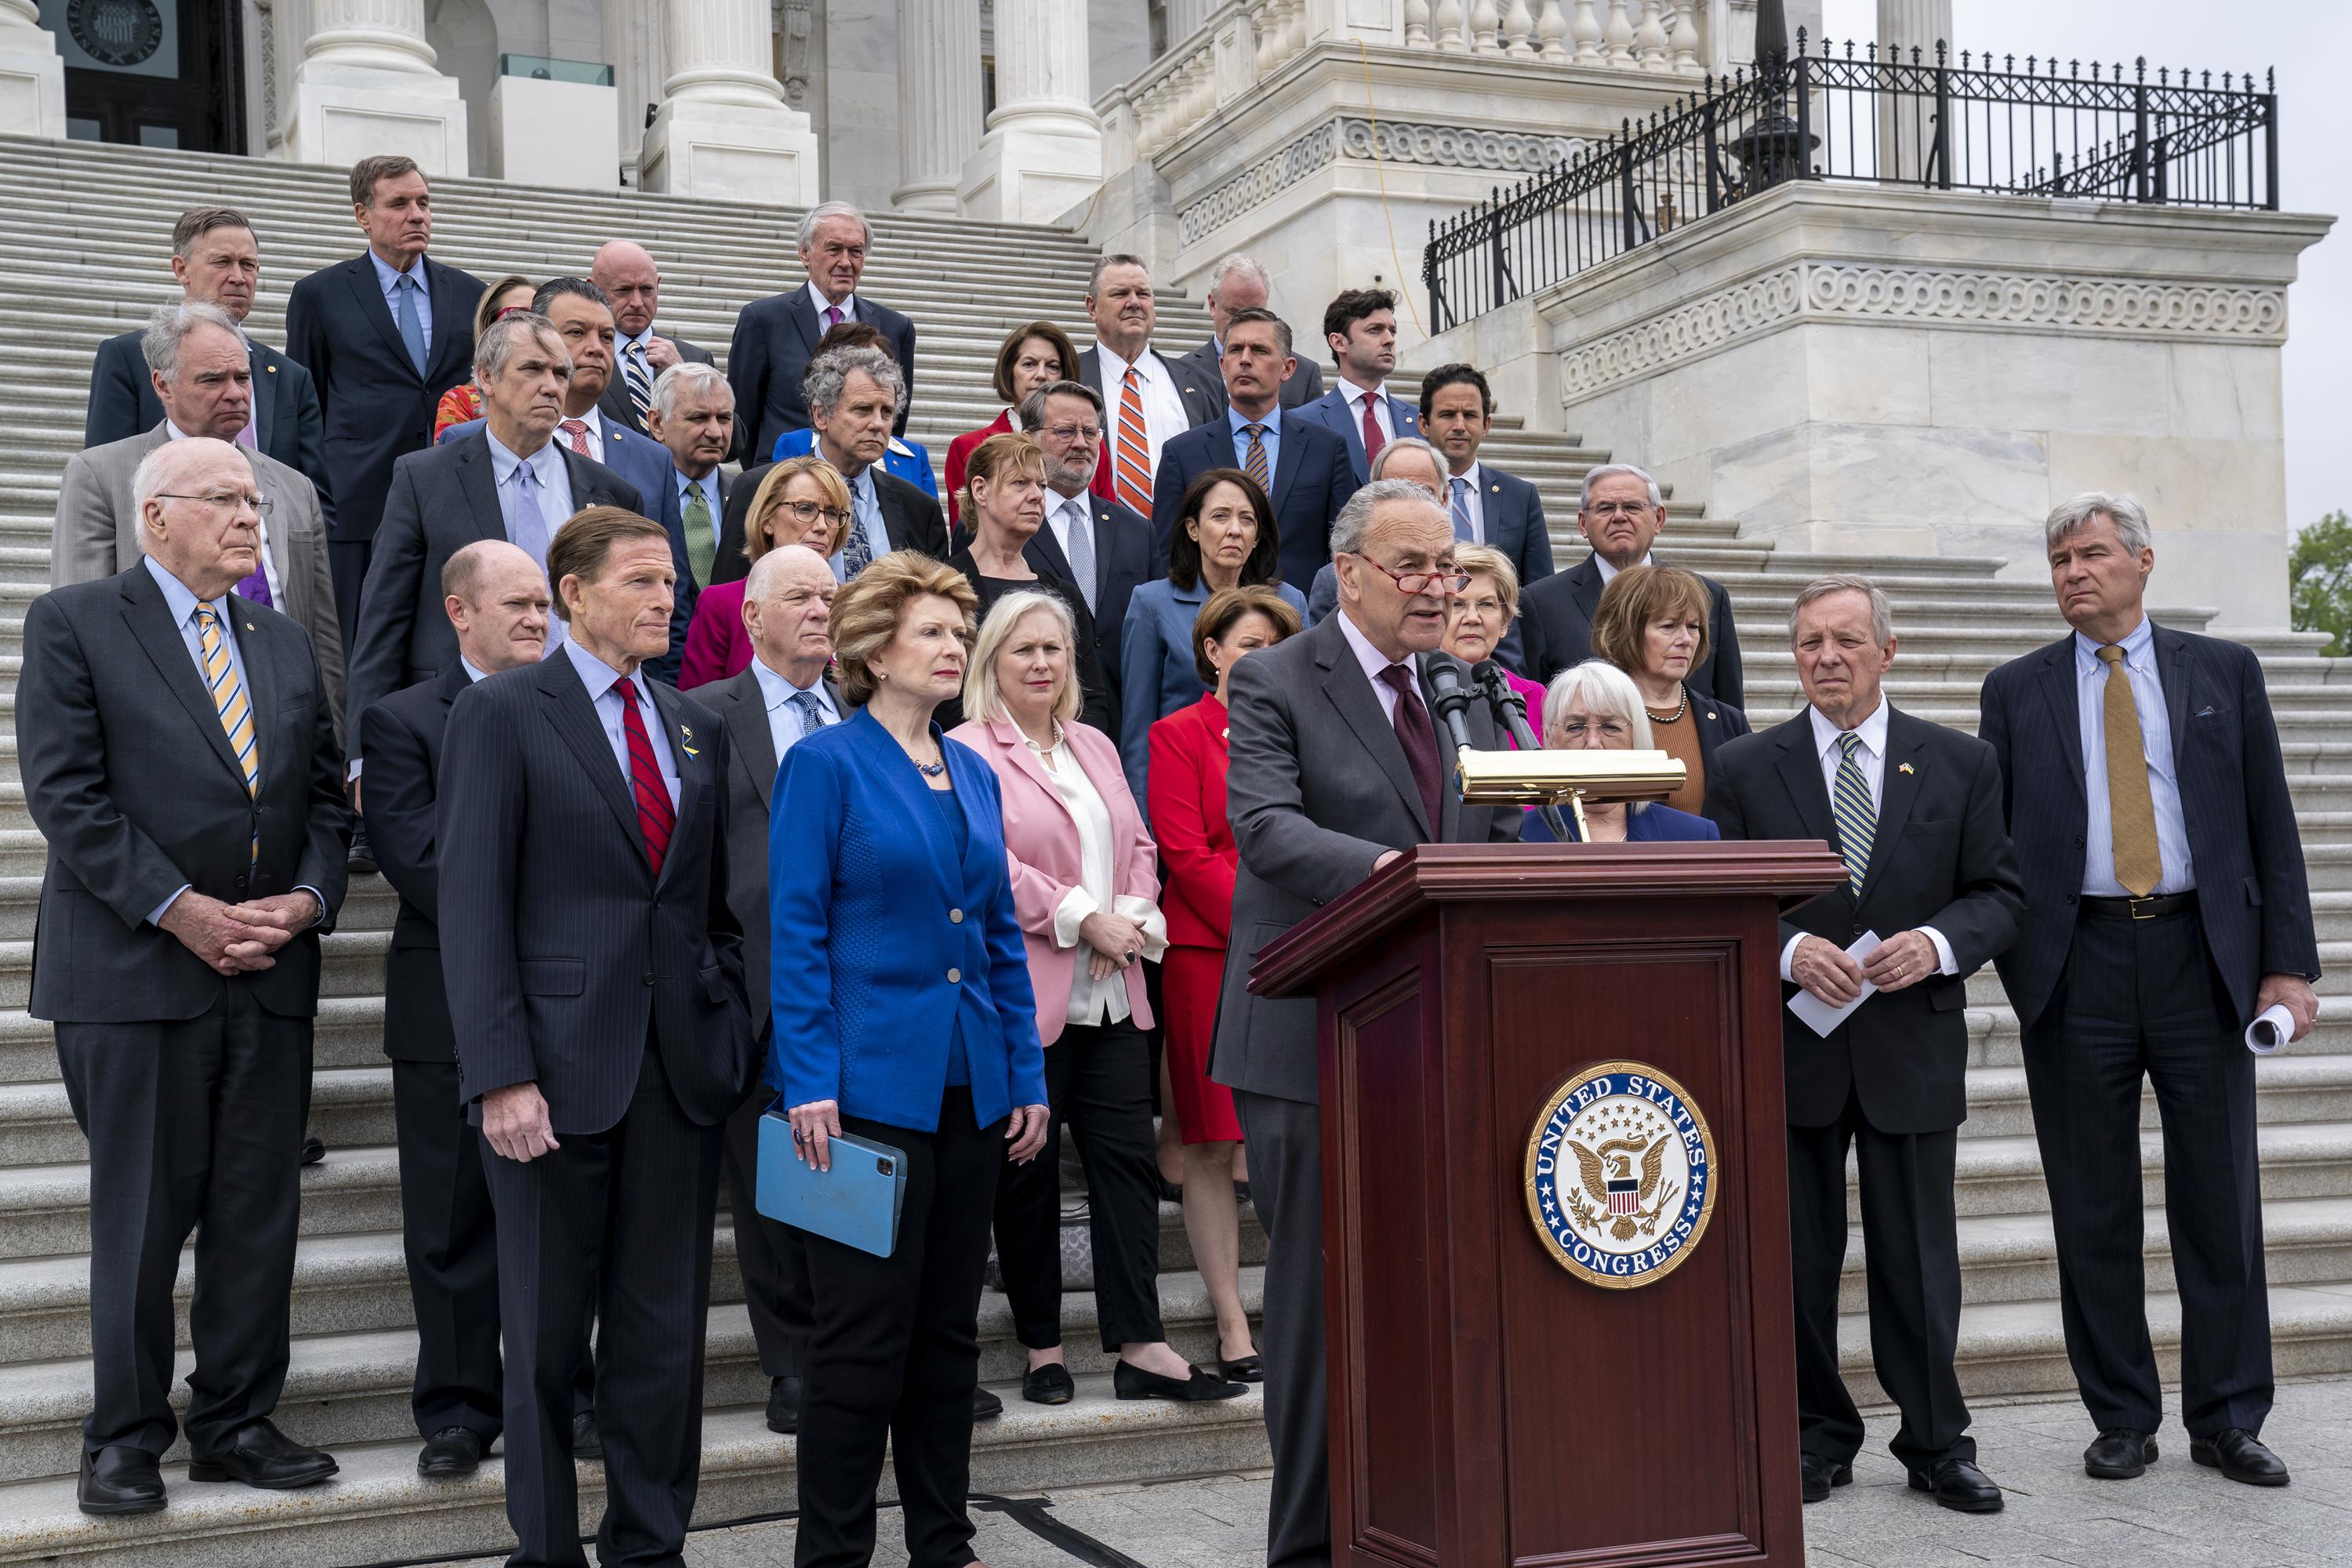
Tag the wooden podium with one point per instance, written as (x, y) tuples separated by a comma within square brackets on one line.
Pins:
[(1489, 1406)]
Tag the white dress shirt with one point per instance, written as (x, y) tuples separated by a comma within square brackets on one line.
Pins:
[(1164, 418), (269, 563), (1070, 515), (1608, 572), (1374, 661), (594, 420), (1871, 758), (1467, 487), (1382, 414), (603, 680), (783, 717), (848, 305), (2179, 874), (1094, 1001)]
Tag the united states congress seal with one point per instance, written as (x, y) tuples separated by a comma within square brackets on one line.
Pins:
[(1620, 1175)]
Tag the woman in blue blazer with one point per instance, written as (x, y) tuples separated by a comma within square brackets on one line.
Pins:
[(1224, 538), (903, 1015), (1596, 705)]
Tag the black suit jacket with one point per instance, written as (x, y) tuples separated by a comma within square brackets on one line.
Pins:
[(401, 736), (564, 956), (1555, 627), (130, 778), (912, 519), (1304, 385), (1312, 480), (443, 499), (2253, 898), (1122, 564), (616, 404), (1940, 856), (774, 339), (374, 404), (122, 404)]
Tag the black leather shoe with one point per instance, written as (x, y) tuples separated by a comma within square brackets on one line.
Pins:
[(313, 1150), (2120, 1454), (261, 1456), (1048, 1385), (451, 1452), (1129, 1382), (361, 858), (2239, 1456), (985, 1405), (587, 1443), (1248, 1368), (1819, 1475), (1959, 1486), (120, 1480), (784, 1404)]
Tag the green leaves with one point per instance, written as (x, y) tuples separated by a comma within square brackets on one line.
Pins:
[(2319, 581)]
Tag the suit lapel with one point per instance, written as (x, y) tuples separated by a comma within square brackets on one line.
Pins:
[(441, 288), (901, 776), (1800, 771), (685, 751), (1351, 693), (150, 620), (2056, 680), (264, 400), (2177, 671), (1286, 468), (1006, 734), (743, 706), (1044, 552), (367, 290), (573, 714), (479, 482), (802, 316), (1897, 792), (1587, 578)]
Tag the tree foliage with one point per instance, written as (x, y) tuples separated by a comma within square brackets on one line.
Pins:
[(2319, 581)]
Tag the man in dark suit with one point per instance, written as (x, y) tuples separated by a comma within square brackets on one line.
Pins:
[(1359, 328), (1097, 544), (179, 758), (1914, 809), (384, 335), (1621, 513), (1409, 457), (595, 981), (693, 416), (1238, 283), (2166, 909), (1489, 507), (776, 337), (1297, 461), (853, 395), (1147, 399), (626, 271), (1336, 771), (509, 480), (218, 260)]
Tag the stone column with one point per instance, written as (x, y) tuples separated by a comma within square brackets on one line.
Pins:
[(636, 40), (1185, 17), (1042, 154), (938, 100), (724, 128), (1905, 126), (32, 74), (367, 85), (1905, 23)]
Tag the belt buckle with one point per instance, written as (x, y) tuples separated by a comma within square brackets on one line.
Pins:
[(2134, 905)]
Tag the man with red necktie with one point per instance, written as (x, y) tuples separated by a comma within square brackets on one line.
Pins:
[(1359, 328)]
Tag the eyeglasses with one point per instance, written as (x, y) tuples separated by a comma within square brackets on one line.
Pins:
[(223, 500), (1577, 729), (1447, 578), (1074, 432), (808, 512), (1606, 509)]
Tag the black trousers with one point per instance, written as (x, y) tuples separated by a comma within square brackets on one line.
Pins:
[(193, 1125), (1911, 1255), (1098, 1080), (896, 1354), (771, 1257), (1284, 1138), (347, 563), (619, 1220), (2140, 997)]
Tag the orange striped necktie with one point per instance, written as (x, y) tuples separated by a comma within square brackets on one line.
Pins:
[(1131, 461)]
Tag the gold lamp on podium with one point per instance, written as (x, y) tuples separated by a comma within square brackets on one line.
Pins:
[(1533, 775)]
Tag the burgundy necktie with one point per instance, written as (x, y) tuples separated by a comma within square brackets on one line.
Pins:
[(1419, 739), (1373, 439), (575, 431), (657, 817)]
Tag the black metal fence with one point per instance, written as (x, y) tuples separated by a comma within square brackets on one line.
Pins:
[(2174, 138)]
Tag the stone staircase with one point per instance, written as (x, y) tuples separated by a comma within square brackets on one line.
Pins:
[(83, 256)]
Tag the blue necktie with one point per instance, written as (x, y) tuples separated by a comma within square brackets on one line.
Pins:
[(857, 549), (412, 325), (1463, 531)]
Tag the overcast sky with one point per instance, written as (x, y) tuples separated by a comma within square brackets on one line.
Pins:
[(2310, 44)]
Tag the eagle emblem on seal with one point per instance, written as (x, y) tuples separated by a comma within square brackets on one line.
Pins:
[(1610, 1180), (1620, 1174)]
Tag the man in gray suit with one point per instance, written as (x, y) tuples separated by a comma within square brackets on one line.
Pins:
[(179, 758), (1337, 770), (1237, 282), (200, 366)]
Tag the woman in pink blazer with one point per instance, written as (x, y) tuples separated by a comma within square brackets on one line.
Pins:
[(1083, 885)]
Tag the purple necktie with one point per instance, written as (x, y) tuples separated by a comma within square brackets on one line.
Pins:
[(245, 437), (832, 316), (257, 588), (1419, 739)]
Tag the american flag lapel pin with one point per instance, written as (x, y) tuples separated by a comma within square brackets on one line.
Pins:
[(1904, 768)]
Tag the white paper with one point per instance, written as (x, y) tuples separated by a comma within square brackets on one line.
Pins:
[(1819, 1015), (2268, 1031)]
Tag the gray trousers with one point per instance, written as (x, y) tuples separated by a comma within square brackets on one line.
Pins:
[(1284, 1138)]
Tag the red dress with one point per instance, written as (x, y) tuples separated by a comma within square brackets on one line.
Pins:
[(960, 451), (1197, 860)]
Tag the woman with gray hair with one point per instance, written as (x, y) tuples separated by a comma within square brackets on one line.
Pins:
[(1595, 705)]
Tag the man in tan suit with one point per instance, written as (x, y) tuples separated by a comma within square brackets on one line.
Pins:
[(203, 375)]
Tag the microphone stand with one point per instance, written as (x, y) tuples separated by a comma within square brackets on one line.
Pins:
[(1511, 711)]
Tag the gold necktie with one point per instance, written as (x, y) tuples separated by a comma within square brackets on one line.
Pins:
[(228, 696), (2131, 810)]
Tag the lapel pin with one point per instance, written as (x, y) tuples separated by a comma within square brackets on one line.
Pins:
[(686, 730), (1904, 768), (1710, 716)]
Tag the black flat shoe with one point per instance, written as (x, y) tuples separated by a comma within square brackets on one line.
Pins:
[(1241, 1191), (451, 1452), (1817, 1476), (261, 1456), (1048, 1385), (120, 1480), (784, 1404), (1129, 1382), (587, 1443), (1959, 1486), (2120, 1454), (2239, 1456), (1248, 1368)]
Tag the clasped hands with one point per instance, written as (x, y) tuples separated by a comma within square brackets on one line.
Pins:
[(1117, 942), (239, 939), (1902, 960)]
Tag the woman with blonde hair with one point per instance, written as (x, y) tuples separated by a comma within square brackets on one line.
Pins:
[(802, 501), (1480, 617)]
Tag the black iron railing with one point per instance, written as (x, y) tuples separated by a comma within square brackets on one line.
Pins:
[(1914, 120)]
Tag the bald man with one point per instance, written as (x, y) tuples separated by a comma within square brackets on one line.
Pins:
[(627, 273)]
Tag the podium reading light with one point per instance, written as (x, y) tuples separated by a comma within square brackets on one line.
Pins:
[(1534, 777)]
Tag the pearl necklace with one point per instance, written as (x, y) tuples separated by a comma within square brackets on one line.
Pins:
[(1680, 708)]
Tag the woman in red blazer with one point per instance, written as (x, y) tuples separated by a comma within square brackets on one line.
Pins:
[(1197, 857), (1084, 890), (1031, 357)]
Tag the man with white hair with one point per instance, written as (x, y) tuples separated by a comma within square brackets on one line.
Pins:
[(1621, 514), (1237, 282), (631, 281), (775, 337), (693, 415)]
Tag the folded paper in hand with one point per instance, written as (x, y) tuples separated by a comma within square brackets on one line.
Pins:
[(2272, 1029), (1820, 1017)]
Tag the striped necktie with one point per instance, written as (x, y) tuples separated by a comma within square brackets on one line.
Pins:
[(575, 433), (1850, 803), (656, 816), (639, 377), (230, 701), (1253, 463), (1463, 531), (1131, 455)]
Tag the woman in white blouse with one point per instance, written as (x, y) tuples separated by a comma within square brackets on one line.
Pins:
[(1083, 885)]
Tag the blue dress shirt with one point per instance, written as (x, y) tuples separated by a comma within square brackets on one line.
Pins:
[(908, 460), (602, 680), (776, 693), (2163, 777), (1270, 437), (388, 279), (708, 484)]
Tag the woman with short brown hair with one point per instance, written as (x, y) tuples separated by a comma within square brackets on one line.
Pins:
[(1652, 623), (1033, 355)]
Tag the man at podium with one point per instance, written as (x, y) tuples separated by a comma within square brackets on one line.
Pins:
[(1337, 769)]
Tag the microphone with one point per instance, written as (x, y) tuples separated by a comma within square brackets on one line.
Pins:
[(1452, 699), (1511, 711)]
